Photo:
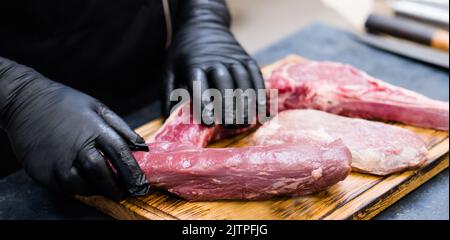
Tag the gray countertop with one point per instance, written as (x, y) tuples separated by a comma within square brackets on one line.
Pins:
[(21, 198)]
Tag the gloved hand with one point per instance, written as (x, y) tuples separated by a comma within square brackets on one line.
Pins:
[(63, 137), (204, 49)]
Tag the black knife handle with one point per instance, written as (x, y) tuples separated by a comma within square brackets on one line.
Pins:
[(408, 29)]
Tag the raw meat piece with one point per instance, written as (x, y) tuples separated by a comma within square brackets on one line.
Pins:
[(377, 148), (344, 90), (178, 163), (254, 173)]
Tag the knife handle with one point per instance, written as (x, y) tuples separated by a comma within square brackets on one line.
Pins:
[(409, 30), (440, 40)]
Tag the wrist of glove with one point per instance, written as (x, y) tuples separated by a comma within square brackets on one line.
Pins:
[(205, 50), (67, 140)]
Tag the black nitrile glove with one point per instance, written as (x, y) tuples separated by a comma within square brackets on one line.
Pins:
[(205, 50), (63, 137)]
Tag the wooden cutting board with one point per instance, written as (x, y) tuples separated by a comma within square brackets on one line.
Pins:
[(359, 196)]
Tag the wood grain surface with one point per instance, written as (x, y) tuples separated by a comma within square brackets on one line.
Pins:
[(360, 196)]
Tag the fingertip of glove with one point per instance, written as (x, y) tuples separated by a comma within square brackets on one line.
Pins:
[(141, 147), (140, 191), (141, 188), (139, 144)]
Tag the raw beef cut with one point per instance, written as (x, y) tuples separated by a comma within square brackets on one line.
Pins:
[(254, 173), (342, 89), (377, 148), (178, 163)]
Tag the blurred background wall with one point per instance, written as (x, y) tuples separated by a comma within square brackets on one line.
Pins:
[(257, 23)]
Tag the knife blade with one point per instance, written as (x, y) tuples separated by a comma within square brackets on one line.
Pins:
[(420, 10)]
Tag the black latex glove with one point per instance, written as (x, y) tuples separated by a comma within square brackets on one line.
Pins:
[(62, 137), (205, 50)]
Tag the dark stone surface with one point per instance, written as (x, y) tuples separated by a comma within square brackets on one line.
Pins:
[(21, 198), (429, 202)]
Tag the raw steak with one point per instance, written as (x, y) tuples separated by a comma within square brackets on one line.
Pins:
[(377, 148), (344, 90), (202, 174)]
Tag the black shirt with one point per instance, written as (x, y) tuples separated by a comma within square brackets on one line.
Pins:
[(111, 50)]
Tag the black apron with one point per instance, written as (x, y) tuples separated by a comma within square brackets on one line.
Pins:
[(111, 50)]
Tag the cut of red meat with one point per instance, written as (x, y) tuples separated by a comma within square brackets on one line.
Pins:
[(253, 173), (342, 89), (377, 148)]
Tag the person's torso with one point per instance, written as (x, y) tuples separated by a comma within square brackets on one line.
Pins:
[(111, 50)]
